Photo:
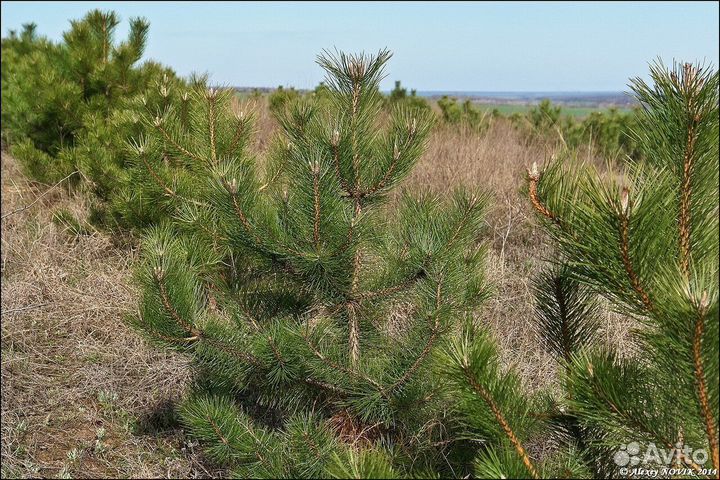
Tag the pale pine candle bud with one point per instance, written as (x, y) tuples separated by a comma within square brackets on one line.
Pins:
[(533, 172), (158, 272), (335, 138), (704, 302), (314, 166), (625, 200)]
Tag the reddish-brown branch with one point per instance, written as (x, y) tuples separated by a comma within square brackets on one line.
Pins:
[(316, 202), (627, 262), (230, 350), (157, 178), (339, 367), (245, 222), (211, 126), (217, 430), (428, 345), (702, 389), (239, 130), (685, 196), (164, 297), (176, 145), (276, 352), (490, 402), (534, 179)]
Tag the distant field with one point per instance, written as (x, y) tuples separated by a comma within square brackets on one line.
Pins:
[(577, 112), (504, 108)]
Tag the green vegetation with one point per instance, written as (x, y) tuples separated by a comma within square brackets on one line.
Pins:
[(611, 132), (72, 106), (283, 285), (331, 321), (399, 96), (466, 114), (576, 112), (648, 243)]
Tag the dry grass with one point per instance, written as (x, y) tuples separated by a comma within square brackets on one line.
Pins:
[(82, 394), (76, 382)]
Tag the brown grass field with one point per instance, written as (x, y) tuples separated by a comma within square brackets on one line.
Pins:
[(84, 397)]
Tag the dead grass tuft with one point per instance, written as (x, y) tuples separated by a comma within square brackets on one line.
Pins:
[(74, 376)]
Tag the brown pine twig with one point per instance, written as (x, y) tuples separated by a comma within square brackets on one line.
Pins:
[(701, 383), (500, 418), (624, 216)]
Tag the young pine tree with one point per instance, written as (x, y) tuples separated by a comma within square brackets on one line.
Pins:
[(311, 306), (647, 240), (60, 100)]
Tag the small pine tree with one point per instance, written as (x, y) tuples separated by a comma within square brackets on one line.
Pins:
[(398, 96), (647, 240), (281, 98), (311, 307), (72, 106), (465, 114)]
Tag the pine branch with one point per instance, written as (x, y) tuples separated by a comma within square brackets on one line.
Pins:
[(435, 329), (211, 99), (533, 180), (624, 216), (488, 399), (159, 275), (701, 383), (689, 87), (158, 123), (315, 167)]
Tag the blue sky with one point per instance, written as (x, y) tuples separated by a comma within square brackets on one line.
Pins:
[(495, 46)]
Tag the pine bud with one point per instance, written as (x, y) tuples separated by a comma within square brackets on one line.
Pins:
[(157, 121), (314, 166), (625, 200), (335, 138), (689, 72), (356, 70), (704, 302), (396, 151), (185, 96), (232, 187), (533, 172), (591, 369), (164, 91), (413, 126), (143, 99), (159, 272)]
